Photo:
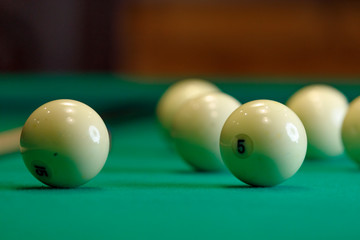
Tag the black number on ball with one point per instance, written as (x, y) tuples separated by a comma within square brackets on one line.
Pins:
[(41, 171), (241, 146)]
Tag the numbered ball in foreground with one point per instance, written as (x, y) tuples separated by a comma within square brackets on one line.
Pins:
[(351, 130), (196, 129), (322, 109), (64, 143), (263, 143), (176, 95)]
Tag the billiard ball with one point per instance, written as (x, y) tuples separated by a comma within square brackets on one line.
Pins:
[(351, 131), (263, 143), (176, 95), (196, 129), (64, 143), (322, 109)]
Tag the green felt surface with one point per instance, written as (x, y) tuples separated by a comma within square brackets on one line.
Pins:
[(145, 190)]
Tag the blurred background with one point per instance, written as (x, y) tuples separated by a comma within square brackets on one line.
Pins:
[(169, 37)]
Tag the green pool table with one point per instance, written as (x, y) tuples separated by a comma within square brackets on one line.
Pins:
[(145, 191)]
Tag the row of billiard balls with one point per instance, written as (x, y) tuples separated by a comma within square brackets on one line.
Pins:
[(262, 142)]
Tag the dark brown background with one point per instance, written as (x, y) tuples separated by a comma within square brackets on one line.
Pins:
[(168, 37)]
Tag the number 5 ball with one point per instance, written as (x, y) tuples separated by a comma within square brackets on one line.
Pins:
[(263, 143), (64, 143)]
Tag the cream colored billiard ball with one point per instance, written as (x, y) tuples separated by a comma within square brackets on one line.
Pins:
[(263, 143), (322, 109), (176, 95), (351, 131), (196, 129), (64, 143)]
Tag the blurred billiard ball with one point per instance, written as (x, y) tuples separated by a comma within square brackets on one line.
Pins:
[(322, 109), (196, 129), (176, 95), (351, 131)]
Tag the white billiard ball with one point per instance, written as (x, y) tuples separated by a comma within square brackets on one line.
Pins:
[(263, 143), (322, 109), (64, 143), (351, 131), (176, 95), (196, 129)]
